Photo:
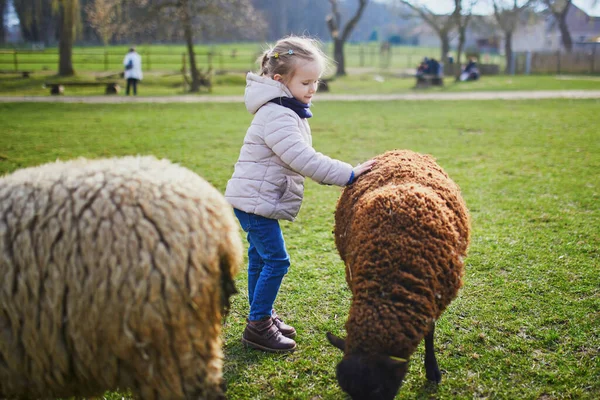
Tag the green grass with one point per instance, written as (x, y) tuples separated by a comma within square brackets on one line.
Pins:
[(526, 323), (230, 57), (358, 81)]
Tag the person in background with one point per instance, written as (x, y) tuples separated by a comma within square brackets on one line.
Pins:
[(268, 179), (423, 67), (470, 72), (133, 70)]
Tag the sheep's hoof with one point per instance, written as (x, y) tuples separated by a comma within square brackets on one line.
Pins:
[(434, 375)]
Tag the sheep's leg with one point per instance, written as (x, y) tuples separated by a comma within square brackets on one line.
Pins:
[(432, 371)]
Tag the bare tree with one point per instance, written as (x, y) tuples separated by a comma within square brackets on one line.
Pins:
[(102, 17), (441, 24), (197, 16), (339, 34), (37, 20), (2, 31), (508, 15), (560, 9), (463, 18), (69, 16)]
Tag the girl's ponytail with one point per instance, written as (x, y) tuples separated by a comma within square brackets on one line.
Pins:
[(264, 70)]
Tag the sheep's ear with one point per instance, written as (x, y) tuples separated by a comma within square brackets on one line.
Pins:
[(336, 341)]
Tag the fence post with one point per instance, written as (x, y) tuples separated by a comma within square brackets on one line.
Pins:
[(361, 56), (594, 58), (528, 63), (390, 56), (183, 72), (373, 55), (513, 64), (558, 62), (16, 60)]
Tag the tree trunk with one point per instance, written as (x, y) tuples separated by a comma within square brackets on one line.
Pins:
[(65, 45), (508, 51), (338, 56), (444, 37), (461, 45), (564, 32), (340, 35), (2, 30), (189, 40)]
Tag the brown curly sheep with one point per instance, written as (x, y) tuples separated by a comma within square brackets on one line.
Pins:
[(116, 274), (402, 230)]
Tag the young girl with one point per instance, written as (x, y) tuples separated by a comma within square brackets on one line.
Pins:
[(268, 181)]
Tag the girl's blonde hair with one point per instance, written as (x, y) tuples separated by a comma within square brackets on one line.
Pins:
[(283, 58)]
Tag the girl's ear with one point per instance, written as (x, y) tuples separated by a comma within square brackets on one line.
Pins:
[(278, 77)]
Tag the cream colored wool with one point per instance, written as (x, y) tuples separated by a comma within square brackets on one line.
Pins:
[(115, 274)]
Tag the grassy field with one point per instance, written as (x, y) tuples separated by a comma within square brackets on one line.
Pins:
[(526, 323), (358, 81), (230, 57)]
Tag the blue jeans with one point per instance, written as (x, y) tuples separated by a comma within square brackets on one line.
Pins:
[(268, 262)]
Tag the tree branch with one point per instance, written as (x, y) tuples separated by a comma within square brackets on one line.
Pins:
[(350, 25), (440, 23), (333, 20), (555, 8)]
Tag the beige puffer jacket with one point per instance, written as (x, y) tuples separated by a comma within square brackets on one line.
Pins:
[(277, 154)]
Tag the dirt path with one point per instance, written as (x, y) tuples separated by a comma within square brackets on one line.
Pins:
[(417, 96)]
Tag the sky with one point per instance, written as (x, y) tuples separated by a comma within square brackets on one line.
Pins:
[(485, 7)]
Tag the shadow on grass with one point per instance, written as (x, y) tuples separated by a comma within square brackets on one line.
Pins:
[(427, 391)]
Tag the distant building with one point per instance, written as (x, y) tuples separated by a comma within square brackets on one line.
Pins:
[(482, 35), (544, 34), (425, 36)]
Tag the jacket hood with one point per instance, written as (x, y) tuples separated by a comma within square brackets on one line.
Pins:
[(261, 89)]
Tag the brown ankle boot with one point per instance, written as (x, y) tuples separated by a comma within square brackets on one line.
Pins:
[(264, 335), (285, 329)]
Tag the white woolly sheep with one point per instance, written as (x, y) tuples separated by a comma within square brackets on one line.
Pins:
[(116, 275), (402, 230)]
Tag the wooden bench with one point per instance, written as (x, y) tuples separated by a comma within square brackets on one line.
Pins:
[(24, 74), (428, 80), (58, 88), (110, 75), (323, 85)]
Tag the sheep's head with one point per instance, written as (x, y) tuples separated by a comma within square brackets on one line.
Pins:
[(369, 376)]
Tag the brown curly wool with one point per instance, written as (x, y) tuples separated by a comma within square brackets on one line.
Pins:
[(402, 230), (115, 275)]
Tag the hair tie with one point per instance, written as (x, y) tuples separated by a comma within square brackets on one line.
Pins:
[(276, 54)]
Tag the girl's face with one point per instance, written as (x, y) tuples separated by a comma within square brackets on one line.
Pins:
[(304, 81)]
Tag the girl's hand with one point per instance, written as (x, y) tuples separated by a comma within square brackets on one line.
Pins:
[(362, 168)]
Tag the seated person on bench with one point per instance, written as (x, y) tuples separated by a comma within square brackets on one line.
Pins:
[(470, 72)]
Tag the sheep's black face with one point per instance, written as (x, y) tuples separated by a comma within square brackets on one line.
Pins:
[(366, 377)]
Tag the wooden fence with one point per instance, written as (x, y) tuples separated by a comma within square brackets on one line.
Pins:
[(98, 60), (484, 69), (94, 59), (577, 62)]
